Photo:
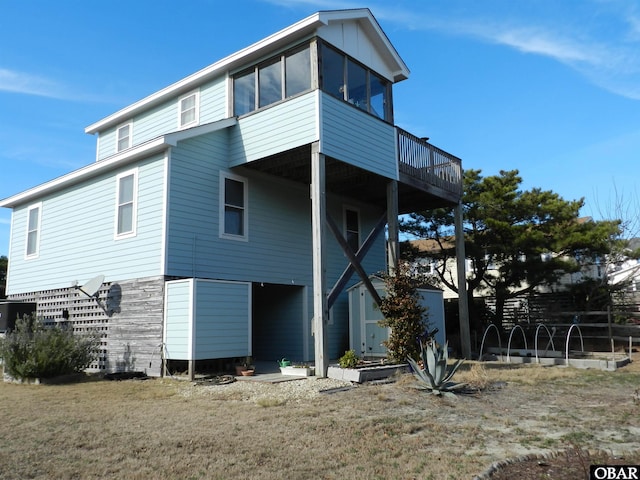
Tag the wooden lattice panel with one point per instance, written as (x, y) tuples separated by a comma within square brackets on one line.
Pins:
[(85, 314)]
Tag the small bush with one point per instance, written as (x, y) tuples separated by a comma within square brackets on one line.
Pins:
[(349, 359), (34, 350), (404, 315)]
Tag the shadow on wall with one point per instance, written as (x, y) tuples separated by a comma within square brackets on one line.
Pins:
[(114, 297), (128, 362)]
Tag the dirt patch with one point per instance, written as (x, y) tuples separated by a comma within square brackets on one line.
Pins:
[(297, 430)]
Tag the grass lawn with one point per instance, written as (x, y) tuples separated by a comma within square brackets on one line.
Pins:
[(171, 429)]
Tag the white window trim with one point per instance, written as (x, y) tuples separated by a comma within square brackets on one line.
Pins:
[(36, 254), (221, 214), (196, 120), (130, 125), (134, 219)]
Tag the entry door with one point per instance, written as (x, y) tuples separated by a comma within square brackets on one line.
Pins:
[(372, 334)]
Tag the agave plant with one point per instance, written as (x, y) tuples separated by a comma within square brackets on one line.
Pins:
[(435, 374)]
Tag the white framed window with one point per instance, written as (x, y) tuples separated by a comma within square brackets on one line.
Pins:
[(34, 218), (233, 207), (126, 204), (188, 107), (352, 227), (123, 137)]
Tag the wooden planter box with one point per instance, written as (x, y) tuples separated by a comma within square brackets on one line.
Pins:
[(298, 371)]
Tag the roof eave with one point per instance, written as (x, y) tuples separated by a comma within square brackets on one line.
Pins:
[(297, 30), (151, 147)]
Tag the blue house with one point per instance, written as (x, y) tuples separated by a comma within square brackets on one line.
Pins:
[(225, 215)]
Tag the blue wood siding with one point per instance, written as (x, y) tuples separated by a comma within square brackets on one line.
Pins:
[(213, 101), (276, 129), (222, 319), (163, 118), (178, 317), (106, 144), (278, 249), (77, 234), (358, 138)]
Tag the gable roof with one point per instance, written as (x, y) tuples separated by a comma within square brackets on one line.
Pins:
[(253, 52), (155, 145)]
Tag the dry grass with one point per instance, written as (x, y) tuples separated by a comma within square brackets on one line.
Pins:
[(171, 429)]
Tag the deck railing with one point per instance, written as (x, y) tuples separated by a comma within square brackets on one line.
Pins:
[(428, 163)]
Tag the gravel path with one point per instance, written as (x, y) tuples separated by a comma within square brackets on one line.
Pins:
[(276, 390)]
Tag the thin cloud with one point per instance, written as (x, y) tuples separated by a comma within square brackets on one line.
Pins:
[(19, 82), (13, 81)]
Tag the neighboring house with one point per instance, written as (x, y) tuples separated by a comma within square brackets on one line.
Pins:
[(625, 270), (207, 207)]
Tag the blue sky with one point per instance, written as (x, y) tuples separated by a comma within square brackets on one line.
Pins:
[(549, 87)]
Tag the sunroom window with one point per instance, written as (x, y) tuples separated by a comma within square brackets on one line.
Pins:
[(348, 80), (244, 93), (333, 77), (297, 72), (269, 82), (357, 85)]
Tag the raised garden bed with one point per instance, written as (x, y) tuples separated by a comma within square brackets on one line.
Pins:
[(366, 372)]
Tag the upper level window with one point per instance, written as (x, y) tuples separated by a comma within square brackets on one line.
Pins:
[(297, 72), (244, 93), (189, 110), (352, 228), (346, 79), (126, 204), (123, 140), (333, 77), (233, 207), (272, 81), (33, 230), (357, 85)]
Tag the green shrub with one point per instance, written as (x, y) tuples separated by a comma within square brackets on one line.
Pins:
[(404, 315), (349, 359), (35, 350)]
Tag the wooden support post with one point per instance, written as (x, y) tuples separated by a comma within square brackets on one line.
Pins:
[(318, 221), (393, 241), (192, 370), (463, 303)]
